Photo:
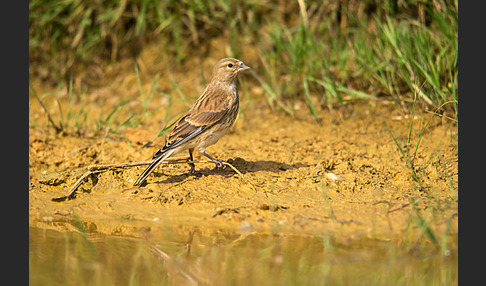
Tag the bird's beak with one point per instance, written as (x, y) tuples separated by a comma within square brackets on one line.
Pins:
[(243, 67)]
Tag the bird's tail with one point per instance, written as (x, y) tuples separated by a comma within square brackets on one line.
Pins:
[(155, 163)]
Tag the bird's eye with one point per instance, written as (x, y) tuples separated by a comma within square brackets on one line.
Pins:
[(230, 65)]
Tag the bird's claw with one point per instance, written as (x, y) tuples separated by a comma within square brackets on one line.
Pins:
[(219, 164)]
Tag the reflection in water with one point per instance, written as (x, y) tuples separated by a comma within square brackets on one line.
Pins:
[(222, 258)]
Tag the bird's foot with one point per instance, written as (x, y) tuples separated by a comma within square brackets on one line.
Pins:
[(219, 164), (193, 170)]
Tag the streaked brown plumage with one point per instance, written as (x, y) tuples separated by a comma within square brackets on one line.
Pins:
[(213, 113)]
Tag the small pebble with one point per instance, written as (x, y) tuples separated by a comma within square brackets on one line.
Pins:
[(334, 177)]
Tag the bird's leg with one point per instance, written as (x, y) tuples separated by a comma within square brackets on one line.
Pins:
[(193, 167), (219, 163)]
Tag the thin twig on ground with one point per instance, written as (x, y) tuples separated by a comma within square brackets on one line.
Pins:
[(95, 169), (49, 118)]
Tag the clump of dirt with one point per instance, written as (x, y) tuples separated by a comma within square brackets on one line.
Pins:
[(343, 175)]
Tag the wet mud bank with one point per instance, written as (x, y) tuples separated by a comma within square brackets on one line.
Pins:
[(344, 176)]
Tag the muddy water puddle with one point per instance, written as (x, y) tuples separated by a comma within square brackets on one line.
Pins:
[(195, 257)]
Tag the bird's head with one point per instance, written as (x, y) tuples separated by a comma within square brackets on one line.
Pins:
[(227, 69)]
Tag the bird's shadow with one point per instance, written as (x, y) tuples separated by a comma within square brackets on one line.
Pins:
[(239, 163)]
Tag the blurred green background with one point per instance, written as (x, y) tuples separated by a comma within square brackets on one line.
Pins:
[(317, 52)]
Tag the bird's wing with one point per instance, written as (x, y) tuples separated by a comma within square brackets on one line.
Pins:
[(210, 108)]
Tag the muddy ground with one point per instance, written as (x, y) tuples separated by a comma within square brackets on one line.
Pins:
[(341, 175)]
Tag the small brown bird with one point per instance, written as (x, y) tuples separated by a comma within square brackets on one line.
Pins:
[(213, 113)]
